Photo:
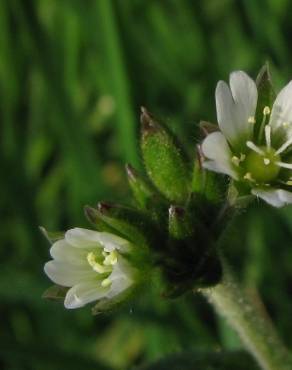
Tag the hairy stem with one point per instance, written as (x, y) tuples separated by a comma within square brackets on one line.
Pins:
[(246, 318)]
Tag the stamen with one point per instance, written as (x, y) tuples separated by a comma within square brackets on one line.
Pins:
[(285, 124), (235, 160), (111, 259), (284, 165), (268, 136), (97, 267), (266, 161), (251, 119), (106, 282), (289, 182), (242, 157), (255, 148), (266, 112), (248, 177), (284, 146)]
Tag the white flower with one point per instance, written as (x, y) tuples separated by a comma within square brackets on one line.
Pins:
[(91, 264), (258, 154)]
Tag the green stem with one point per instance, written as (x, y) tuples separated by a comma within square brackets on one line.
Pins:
[(250, 322)]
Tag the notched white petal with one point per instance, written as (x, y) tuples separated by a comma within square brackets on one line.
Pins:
[(63, 252), (275, 197), (81, 294), (281, 115), (215, 148), (66, 274), (84, 238), (121, 278), (236, 106)]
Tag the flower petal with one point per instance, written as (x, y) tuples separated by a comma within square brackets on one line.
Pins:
[(275, 197), (235, 105), (121, 278), (81, 294), (282, 111), (63, 252), (68, 275), (84, 238), (215, 147)]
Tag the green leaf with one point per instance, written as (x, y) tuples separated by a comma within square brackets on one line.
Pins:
[(164, 159), (55, 292), (205, 361)]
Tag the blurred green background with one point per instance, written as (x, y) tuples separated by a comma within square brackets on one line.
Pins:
[(73, 75)]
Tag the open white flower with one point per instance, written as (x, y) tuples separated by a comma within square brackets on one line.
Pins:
[(259, 154), (92, 265)]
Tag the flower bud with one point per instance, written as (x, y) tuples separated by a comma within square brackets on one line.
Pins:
[(165, 161)]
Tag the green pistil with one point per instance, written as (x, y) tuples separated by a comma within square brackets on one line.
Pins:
[(262, 168)]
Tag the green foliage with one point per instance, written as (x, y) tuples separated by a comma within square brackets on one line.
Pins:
[(73, 75), (205, 361)]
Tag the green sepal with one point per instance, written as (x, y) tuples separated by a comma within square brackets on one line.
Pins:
[(146, 196), (132, 224), (142, 190), (95, 218), (266, 94), (212, 186), (55, 292), (52, 237), (109, 305), (208, 127), (165, 161), (180, 225)]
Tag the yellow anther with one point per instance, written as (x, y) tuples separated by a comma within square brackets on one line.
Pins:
[(285, 124), (111, 259), (91, 259), (248, 177), (235, 160), (266, 111), (106, 282), (242, 157), (267, 161), (251, 119)]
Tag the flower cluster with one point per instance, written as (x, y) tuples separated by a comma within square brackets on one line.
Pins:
[(256, 154), (92, 264)]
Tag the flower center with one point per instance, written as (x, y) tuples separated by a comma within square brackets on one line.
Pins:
[(262, 165), (103, 263)]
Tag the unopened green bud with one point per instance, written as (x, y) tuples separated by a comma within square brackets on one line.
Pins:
[(164, 159)]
